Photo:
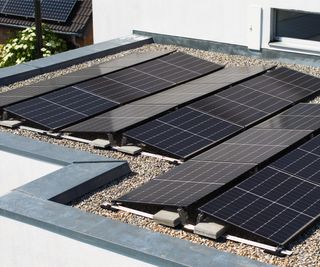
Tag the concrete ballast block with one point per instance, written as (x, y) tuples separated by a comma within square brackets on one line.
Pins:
[(167, 218), (10, 123), (210, 229), (132, 150), (101, 143)]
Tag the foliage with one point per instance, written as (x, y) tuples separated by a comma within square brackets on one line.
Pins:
[(22, 48)]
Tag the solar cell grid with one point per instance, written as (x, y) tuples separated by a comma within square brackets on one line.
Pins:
[(272, 204), (228, 110), (270, 84), (23, 8), (254, 99), (103, 93), (114, 121), (51, 10), (292, 122), (268, 137), (186, 183), (60, 108), (183, 132), (57, 10), (300, 117), (295, 78)]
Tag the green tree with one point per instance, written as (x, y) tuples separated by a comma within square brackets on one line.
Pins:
[(22, 47)]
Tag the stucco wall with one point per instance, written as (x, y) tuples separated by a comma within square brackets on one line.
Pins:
[(226, 21), (25, 245)]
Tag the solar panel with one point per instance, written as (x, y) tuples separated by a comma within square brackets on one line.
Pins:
[(295, 78), (229, 110), (60, 108), (23, 8), (186, 184), (42, 87), (301, 117), (244, 152), (51, 10), (111, 90), (183, 132), (2, 3), (123, 117), (254, 99), (272, 204), (281, 83), (240, 105), (146, 78), (57, 10)]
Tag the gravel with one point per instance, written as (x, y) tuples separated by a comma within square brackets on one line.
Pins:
[(306, 248)]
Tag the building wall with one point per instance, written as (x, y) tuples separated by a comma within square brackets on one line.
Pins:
[(226, 21), (25, 245)]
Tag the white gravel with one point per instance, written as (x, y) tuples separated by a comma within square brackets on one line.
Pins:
[(306, 248)]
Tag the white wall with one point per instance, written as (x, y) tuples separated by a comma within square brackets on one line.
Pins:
[(225, 21), (25, 245), (16, 170)]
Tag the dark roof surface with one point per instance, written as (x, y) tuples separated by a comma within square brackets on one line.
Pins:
[(76, 23)]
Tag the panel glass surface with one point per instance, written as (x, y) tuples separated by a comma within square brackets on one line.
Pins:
[(272, 204), (183, 132), (186, 184), (60, 108)]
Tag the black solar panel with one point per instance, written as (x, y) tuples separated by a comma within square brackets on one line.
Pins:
[(101, 94), (249, 149), (51, 10), (57, 10), (273, 204), (300, 117), (146, 78), (254, 99), (112, 90), (229, 110), (60, 108), (2, 2), (295, 78), (186, 183), (285, 84), (183, 132), (23, 8), (123, 117)]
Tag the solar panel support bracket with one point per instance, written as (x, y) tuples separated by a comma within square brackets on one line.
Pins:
[(111, 139), (183, 216), (4, 115)]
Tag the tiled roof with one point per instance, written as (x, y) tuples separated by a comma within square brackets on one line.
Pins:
[(76, 23)]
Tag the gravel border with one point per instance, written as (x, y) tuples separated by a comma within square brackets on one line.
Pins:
[(306, 249)]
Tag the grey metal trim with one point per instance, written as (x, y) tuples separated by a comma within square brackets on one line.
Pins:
[(282, 56), (62, 60)]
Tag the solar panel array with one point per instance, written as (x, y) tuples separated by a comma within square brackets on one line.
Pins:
[(277, 202), (46, 86), (224, 113), (111, 90), (51, 10), (128, 115), (200, 177)]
